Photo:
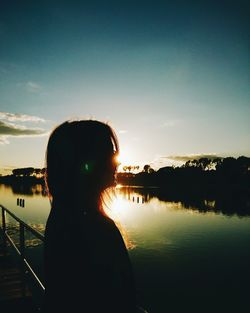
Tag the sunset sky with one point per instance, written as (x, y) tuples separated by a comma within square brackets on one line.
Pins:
[(171, 77)]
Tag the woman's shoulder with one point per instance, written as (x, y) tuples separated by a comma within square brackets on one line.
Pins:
[(108, 223), (112, 229)]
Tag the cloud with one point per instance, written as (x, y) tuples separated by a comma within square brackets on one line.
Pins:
[(170, 123), (33, 87), (9, 128), (16, 117), (4, 140), (178, 160), (14, 130), (185, 158)]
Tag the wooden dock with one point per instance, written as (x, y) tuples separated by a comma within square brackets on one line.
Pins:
[(15, 294)]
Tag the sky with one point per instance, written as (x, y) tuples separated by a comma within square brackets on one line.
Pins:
[(171, 77)]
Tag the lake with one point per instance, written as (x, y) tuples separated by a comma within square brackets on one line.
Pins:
[(188, 255)]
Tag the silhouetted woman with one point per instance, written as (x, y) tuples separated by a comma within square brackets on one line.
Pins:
[(87, 267)]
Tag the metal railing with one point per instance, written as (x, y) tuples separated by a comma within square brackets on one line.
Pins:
[(21, 249)]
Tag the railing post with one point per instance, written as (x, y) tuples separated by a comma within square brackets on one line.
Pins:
[(3, 220), (22, 240), (4, 230), (22, 252)]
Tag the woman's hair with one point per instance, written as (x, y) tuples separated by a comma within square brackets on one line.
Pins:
[(80, 159)]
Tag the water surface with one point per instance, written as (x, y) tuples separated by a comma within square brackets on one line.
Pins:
[(187, 255)]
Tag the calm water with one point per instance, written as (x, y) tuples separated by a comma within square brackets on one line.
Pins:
[(187, 255)]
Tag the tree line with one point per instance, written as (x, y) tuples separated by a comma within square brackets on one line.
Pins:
[(197, 172), (28, 171)]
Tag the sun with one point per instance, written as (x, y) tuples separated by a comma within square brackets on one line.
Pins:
[(124, 158)]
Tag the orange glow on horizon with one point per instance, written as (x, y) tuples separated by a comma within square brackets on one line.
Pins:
[(125, 158)]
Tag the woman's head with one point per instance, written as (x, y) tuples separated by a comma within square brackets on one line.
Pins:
[(81, 159)]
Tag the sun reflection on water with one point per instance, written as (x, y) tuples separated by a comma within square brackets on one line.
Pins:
[(117, 208)]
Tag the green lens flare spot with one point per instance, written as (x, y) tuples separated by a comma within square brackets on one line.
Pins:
[(87, 168)]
